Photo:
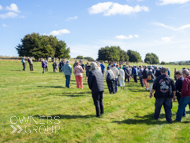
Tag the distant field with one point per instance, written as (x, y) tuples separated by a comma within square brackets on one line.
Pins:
[(127, 119)]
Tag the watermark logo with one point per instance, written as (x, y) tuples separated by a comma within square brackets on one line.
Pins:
[(46, 124)]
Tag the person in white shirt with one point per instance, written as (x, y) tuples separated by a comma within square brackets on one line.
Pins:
[(121, 78), (116, 74), (110, 79)]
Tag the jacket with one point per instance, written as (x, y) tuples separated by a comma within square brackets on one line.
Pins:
[(67, 69), (158, 73), (78, 70), (115, 72), (164, 87), (43, 64), (96, 81), (185, 91), (178, 86), (102, 67), (145, 73), (111, 74)]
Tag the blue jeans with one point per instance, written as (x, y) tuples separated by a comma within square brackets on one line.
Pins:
[(68, 77), (116, 85), (184, 101), (178, 99), (167, 102)]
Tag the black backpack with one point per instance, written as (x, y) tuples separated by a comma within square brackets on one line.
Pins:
[(109, 78)]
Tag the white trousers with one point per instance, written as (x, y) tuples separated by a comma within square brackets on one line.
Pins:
[(122, 83)]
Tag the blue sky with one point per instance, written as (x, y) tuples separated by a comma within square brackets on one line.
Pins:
[(158, 26)]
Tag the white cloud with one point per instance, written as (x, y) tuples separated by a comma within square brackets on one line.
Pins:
[(58, 32), (167, 39), (166, 2), (1, 7), (13, 7), (72, 18), (4, 25), (123, 37), (173, 28), (8, 15), (110, 8)]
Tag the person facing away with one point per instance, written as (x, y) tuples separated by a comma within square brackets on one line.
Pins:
[(30, 63), (150, 78), (96, 84), (127, 73), (61, 64), (102, 67), (54, 66), (121, 78), (87, 68), (116, 74), (43, 66), (185, 95), (145, 74), (178, 85), (75, 64), (157, 73), (140, 71), (110, 79), (135, 73), (78, 71), (82, 65), (23, 63), (46, 62), (169, 73), (67, 69), (164, 89)]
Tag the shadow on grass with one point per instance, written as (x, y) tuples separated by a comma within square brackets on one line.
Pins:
[(59, 116), (147, 119), (51, 86), (79, 94)]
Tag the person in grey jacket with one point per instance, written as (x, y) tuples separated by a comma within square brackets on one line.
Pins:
[(96, 84), (67, 69)]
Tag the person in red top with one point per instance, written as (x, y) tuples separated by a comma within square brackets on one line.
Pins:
[(185, 95)]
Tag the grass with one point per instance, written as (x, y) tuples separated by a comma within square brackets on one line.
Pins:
[(127, 118)]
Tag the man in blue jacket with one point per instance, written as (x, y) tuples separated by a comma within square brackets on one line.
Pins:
[(102, 67), (67, 69)]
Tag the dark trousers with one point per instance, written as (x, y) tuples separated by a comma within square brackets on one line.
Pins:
[(116, 84), (24, 66), (98, 102), (135, 78), (111, 86), (31, 67), (178, 99), (127, 78), (141, 81), (167, 102), (184, 101), (68, 78)]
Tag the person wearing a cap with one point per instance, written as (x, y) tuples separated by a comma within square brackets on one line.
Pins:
[(116, 74), (96, 85), (165, 90), (110, 79), (178, 85), (67, 69), (185, 95)]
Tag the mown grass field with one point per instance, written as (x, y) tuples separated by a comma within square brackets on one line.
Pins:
[(127, 118)]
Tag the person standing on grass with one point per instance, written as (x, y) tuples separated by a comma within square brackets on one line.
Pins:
[(75, 64), (116, 74), (78, 70), (43, 66), (121, 78), (185, 95), (110, 79), (135, 73), (169, 73), (164, 89), (150, 78), (82, 65), (145, 74), (127, 74), (140, 71), (67, 69), (61, 64), (157, 73), (96, 84), (46, 62), (102, 67), (178, 85), (30, 63), (23, 63), (54, 66), (87, 68)]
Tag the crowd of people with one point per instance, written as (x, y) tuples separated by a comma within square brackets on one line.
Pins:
[(157, 80)]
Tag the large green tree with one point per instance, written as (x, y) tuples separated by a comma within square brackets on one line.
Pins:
[(134, 56), (151, 58)]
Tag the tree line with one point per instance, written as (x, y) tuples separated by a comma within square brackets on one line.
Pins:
[(42, 46)]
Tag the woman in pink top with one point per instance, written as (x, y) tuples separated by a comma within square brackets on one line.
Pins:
[(78, 70)]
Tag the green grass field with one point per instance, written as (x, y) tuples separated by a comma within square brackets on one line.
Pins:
[(127, 118)]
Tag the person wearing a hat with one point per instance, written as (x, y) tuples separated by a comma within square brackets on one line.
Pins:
[(110, 79), (67, 70), (165, 90), (116, 74)]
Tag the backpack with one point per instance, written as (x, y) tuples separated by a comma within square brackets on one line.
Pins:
[(109, 78), (149, 77)]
